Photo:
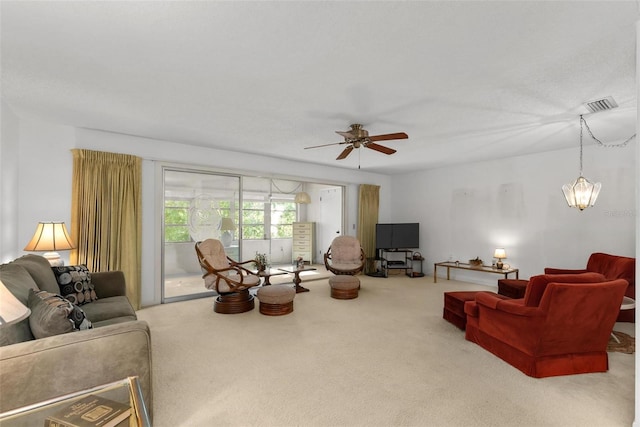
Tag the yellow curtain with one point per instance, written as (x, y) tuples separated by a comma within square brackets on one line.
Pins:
[(368, 202), (106, 215)]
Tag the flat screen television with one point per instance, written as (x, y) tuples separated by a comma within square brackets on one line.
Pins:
[(398, 236)]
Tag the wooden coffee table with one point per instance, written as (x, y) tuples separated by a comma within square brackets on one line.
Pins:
[(266, 274), (296, 278)]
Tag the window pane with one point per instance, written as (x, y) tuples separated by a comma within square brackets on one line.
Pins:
[(283, 215)]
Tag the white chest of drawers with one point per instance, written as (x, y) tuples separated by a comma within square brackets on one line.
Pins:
[(304, 241)]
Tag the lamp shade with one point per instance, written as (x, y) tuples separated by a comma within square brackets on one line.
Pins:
[(227, 224), (302, 198), (11, 310), (51, 236), (500, 253)]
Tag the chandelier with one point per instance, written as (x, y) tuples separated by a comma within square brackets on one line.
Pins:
[(581, 193)]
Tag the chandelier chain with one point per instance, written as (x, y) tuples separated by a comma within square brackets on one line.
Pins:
[(600, 143), (581, 121)]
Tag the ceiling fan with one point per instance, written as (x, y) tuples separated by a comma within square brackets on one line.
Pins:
[(358, 137)]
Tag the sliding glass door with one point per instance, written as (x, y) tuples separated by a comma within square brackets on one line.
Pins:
[(247, 214), (198, 205)]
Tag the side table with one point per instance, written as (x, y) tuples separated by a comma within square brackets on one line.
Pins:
[(627, 304), (125, 391), (481, 269)]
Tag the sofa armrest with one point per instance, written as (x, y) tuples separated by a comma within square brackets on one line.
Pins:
[(42, 369), (109, 284), (549, 270)]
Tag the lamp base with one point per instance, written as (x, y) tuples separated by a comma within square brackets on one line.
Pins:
[(54, 259), (226, 239), (499, 265)]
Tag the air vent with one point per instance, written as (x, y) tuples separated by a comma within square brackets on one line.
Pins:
[(603, 104)]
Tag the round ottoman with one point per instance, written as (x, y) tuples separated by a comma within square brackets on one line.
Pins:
[(276, 300), (344, 286)]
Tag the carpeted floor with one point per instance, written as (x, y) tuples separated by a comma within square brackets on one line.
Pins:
[(386, 358)]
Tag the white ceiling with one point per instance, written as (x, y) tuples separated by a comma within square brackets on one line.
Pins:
[(466, 80)]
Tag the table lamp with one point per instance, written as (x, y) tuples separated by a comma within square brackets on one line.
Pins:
[(227, 226), (500, 254), (51, 236), (11, 310)]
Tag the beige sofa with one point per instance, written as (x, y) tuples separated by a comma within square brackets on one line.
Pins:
[(33, 370)]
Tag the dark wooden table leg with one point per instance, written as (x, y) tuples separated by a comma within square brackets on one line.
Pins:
[(296, 281)]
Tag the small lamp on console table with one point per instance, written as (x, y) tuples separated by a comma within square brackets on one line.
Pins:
[(51, 236), (500, 254)]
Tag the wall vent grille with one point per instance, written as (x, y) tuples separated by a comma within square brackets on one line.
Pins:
[(603, 104)]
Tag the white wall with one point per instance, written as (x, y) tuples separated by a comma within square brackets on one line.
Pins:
[(44, 167), (9, 138), (517, 203)]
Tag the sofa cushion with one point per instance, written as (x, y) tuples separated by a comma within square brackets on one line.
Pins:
[(109, 308), (538, 284), (40, 270), (75, 284), (18, 281), (53, 315)]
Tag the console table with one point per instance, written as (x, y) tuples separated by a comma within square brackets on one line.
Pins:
[(482, 269)]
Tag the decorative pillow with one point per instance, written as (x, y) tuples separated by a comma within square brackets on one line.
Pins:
[(75, 283), (53, 315)]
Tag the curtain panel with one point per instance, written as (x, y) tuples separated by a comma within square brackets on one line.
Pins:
[(368, 203), (106, 215)]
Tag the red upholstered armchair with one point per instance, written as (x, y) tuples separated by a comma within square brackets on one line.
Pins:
[(612, 267), (558, 329)]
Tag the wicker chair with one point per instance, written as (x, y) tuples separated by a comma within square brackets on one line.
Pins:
[(227, 277), (344, 256)]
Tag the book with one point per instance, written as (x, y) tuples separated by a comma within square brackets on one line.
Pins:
[(90, 411)]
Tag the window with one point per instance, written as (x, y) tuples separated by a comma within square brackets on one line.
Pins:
[(176, 221), (283, 215), (253, 220)]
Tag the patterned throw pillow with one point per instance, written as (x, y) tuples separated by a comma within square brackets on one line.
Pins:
[(75, 283), (53, 315)]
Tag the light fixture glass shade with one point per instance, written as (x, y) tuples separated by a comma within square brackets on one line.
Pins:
[(581, 193), (302, 198), (51, 236), (11, 310), (500, 253)]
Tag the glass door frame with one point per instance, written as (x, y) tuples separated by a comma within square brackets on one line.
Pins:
[(170, 168)]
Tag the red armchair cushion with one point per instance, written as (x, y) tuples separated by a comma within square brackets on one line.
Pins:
[(537, 284)]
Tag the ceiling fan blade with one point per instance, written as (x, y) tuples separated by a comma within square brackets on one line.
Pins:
[(380, 148), (346, 134), (388, 136), (345, 152), (326, 145)]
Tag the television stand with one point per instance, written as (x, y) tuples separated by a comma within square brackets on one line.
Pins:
[(406, 263)]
